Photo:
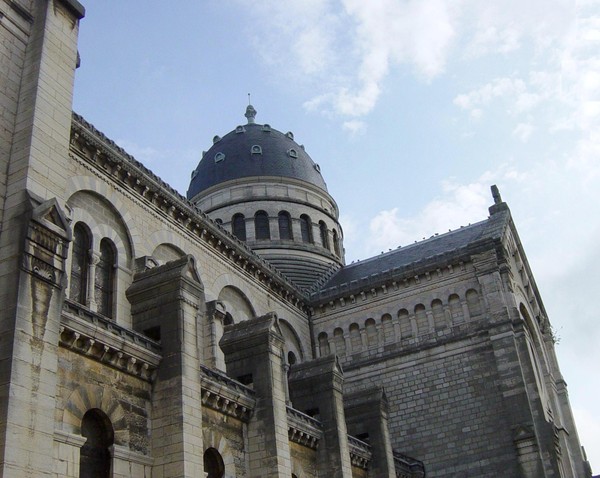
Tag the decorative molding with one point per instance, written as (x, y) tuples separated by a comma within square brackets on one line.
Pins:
[(360, 452), (225, 395), (303, 429), (67, 438)]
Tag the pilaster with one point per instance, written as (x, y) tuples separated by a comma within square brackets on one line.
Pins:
[(169, 300), (316, 388), (253, 355), (28, 401), (367, 416)]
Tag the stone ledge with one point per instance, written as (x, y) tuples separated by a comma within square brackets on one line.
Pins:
[(225, 395), (96, 337), (125, 454), (62, 436)]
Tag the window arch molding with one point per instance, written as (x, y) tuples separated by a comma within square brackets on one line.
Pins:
[(132, 240)]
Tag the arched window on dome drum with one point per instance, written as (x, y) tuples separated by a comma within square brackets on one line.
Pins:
[(261, 225), (238, 226), (80, 264), (324, 234), (306, 229), (336, 243), (214, 467), (94, 455), (285, 225), (105, 278)]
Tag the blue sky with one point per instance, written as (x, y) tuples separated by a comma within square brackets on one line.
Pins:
[(411, 108)]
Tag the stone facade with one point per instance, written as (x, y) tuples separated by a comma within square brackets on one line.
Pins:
[(141, 336)]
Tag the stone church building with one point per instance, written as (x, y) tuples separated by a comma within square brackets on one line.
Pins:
[(147, 334)]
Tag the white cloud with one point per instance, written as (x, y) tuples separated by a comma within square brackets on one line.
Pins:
[(355, 127), (457, 206), (523, 131)]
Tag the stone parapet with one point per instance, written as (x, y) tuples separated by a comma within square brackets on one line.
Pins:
[(226, 395), (101, 339)]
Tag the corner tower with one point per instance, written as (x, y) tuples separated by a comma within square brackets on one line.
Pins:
[(263, 187)]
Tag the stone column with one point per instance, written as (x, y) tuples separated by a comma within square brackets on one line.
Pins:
[(94, 258), (316, 388), (253, 351), (213, 331)]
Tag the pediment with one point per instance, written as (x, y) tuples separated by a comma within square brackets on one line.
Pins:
[(51, 215)]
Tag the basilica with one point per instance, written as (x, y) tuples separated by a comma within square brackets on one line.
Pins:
[(221, 334)]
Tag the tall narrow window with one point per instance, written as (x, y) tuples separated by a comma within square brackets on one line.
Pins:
[(306, 229), (105, 278), (261, 225), (336, 243), (285, 225), (324, 234), (80, 263), (239, 226), (94, 459)]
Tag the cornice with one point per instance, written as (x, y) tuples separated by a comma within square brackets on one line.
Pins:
[(107, 157), (415, 274)]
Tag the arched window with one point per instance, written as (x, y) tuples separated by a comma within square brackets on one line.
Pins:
[(214, 467), (455, 309), (324, 234), (439, 317), (80, 263), (473, 303), (238, 226), (372, 335), (94, 458), (388, 328), (340, 341), (105, 278), (285, 225), (261, 225), (405, 325), (421, 318), (306, 229), (336, 243), (323, 344), (355, 340)]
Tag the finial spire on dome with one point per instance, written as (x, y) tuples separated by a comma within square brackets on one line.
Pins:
[(250, 114)]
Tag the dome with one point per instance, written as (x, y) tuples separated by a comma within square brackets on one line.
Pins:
[(254, 150)]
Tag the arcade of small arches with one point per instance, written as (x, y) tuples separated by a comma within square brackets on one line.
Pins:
[(328, 239), (420, 321)]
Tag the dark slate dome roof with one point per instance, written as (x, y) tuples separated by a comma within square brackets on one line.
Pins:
[(236, 155)]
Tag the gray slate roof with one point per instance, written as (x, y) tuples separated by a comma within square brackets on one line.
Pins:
[(407, 260), (239, 162)]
